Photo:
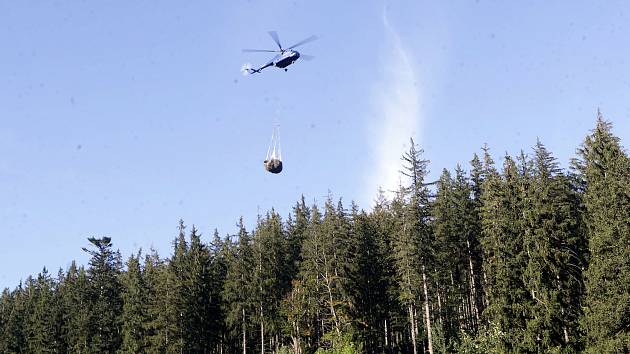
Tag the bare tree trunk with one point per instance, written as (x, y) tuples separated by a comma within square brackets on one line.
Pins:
[(328, 284), (439, 300), (262, 331), (332, 308), (473, 287), (427, 315), (415, 321), (413, 329), (297, 349), (465, 319), (485, 287), (386, 341), (244, 334)]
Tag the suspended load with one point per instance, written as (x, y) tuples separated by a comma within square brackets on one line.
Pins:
[(273, 161)]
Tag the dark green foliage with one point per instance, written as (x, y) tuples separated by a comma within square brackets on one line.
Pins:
[(458, 257), (74, 293), (504, 257), (238, 291), (135, 311), (270, 284), (40, 326), (413, 246), (196, 311), (474, 240), (525, 259), (553, 243), (368, 286), (219, 250), (156, 281), (105, 299), (13, 318), (322, 274), (604, 167), (295, 234)]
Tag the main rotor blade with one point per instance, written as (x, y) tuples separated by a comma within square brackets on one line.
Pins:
[(274, 36), (309, 39), (260, 50), (306, 57)]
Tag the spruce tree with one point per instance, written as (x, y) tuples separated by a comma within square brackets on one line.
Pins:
[(504, 258), (332, 237), (324, 277), (474, 241), (416, 234), (454, 224), (6, 307), (552, 242), (104, 296), (219, 254), (40, 323), (605, 168), (394, 315), (14, 316), (270, 283), (175, 293), (75, 297), (238, 291), (135, 313), (156, 326), (196, 310), (407, 273), (58, 315), (367, 286), (296, 228)]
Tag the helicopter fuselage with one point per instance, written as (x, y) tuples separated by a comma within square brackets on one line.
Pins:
[(287, 58)]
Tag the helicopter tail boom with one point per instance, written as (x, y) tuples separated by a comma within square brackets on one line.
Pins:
[(247, 69)]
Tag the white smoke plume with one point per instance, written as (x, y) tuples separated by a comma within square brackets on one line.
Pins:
[(398, 116)]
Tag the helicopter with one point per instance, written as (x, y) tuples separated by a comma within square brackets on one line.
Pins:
[(284, 58)]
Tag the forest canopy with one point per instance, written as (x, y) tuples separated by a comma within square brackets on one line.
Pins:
[(518, 257)]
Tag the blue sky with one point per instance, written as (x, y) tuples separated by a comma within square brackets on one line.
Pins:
[(118, 118)]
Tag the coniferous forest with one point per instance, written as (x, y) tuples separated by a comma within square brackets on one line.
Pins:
[(516, 257)]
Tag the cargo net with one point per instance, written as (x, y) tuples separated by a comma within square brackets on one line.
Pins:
[(273, 161)]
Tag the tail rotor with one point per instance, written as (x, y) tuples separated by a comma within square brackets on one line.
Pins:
[(247, 69)]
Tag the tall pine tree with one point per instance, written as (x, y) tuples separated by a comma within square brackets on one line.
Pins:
[(504, 258), (552, 244), (605, 168), (135, 312), (105, 296)]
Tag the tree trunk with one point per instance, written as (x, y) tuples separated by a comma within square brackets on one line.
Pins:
[(330, 298), (439, 300), (386, 342), (262, 331), (244, 334), (485, 287), (473, 287), (427, 315), (413, 329), (297, 349), (415, 321)]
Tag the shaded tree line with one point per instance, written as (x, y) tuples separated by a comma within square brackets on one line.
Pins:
[(517, 257)]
